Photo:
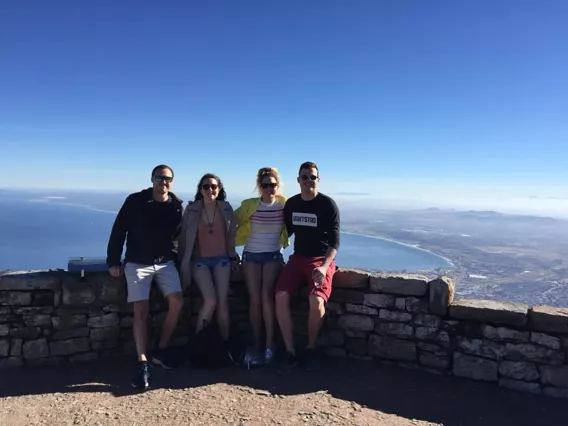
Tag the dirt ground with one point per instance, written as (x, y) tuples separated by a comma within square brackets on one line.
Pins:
[(343, 392)]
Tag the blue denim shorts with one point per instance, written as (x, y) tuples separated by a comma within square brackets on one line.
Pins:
[(211, 262), (262, 258)]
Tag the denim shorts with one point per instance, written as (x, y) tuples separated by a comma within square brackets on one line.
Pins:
[(211, 262), (262, 258)]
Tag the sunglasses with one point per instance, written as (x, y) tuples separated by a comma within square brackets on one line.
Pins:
[(166, 179), (268, 185), (208, 186), (310, 177)]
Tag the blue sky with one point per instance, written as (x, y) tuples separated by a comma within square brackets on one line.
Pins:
[(431, 99)]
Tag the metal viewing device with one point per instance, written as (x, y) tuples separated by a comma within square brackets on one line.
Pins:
[(87, 264)]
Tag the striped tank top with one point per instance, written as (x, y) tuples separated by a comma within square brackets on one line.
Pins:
[(265, 228)]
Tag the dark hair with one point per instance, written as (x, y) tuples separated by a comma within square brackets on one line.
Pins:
[(308, 165), (162, 167), (222, 194)]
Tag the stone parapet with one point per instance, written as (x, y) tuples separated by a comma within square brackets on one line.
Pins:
[(51, 317)]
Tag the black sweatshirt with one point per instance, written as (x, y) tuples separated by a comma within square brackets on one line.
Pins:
[(150, 227), (315, 224)]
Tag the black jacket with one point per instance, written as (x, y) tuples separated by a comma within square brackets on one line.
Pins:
[(150, 231)]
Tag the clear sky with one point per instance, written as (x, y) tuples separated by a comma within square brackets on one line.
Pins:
[(429, 99)]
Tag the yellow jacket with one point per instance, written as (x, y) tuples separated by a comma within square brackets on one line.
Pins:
[(242, 216)]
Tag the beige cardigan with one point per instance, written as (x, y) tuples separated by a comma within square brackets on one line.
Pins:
[(188, 234)]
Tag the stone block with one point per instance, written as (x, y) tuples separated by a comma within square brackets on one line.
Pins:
[(350, 278), (15, 298), (549, 319), (379, 300), (108, 320), (519, 370), (4, 330), (439, 361), (47, 361), (70, 333), (16, 349), (346, 296), (361, 309), (502, 334), (27, 333), (107, 289), (442, 292), (424, 320), (417, 305), (391, 348), (105, 345), (396, 316), (34, 349), (552, 391), (555, 376), (69, 321), (37, 320), (431, 347), (10, 362), (475, 368), (440, 337), (400, 303), (357, 346), (69, 346), (23, 281), (520, 386), (546, 340), (77, 293), (4, 347), (483, 348), (532, 352), (403, 284), (357, 334), (127, 322), (564, 342), (29, 311), (397, 329), (44, 298), (86, 357), (105, 333), (330, 338), (356, 322), (491, 311)]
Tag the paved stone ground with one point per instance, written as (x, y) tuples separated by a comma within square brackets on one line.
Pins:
[(343, 392)]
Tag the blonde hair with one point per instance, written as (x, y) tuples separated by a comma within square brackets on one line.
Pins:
[(267, 172)]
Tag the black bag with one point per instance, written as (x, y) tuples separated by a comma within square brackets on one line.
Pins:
[(206, 349)]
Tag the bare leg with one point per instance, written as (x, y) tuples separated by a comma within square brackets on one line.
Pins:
[(252, 273), (140, 327), (175, 303), (270, 273), (315, 320), (204, 280), (284, 316), (221, 277)]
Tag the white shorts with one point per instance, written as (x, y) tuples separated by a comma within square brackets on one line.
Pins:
[(139, 280)]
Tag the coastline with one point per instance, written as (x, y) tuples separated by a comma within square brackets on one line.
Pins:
[(449, 261)]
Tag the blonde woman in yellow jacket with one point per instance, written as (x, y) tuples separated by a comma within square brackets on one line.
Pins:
[(262, 232)]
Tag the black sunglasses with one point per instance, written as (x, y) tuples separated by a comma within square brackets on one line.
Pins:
[(310, 177), (208, 186), (166, 179), (268, 185)]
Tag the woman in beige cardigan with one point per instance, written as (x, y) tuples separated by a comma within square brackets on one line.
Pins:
[(207, 250)]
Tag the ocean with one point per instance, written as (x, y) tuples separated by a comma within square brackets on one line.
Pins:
[(46, 233)]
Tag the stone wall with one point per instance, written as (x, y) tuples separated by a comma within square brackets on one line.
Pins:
[(405, 320)]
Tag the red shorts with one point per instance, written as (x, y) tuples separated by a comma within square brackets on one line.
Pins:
[(298, 271)]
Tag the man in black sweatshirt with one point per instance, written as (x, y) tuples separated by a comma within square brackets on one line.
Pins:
[(150, 222), (313, 218)]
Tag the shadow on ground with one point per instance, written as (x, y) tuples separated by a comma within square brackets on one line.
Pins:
[(406, 393)]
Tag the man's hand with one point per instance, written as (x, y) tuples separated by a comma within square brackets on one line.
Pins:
[(115, 271), (318, 275)]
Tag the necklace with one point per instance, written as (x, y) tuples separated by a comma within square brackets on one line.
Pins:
[(210, 224)]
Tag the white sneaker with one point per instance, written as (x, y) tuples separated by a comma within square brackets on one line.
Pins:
[(268, 355)]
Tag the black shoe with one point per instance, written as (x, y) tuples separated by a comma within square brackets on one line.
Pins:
[(141, 375), (288, 364), (310, 360), (164, 359)]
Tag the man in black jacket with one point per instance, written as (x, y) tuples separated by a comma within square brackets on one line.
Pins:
[(150, 222)]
